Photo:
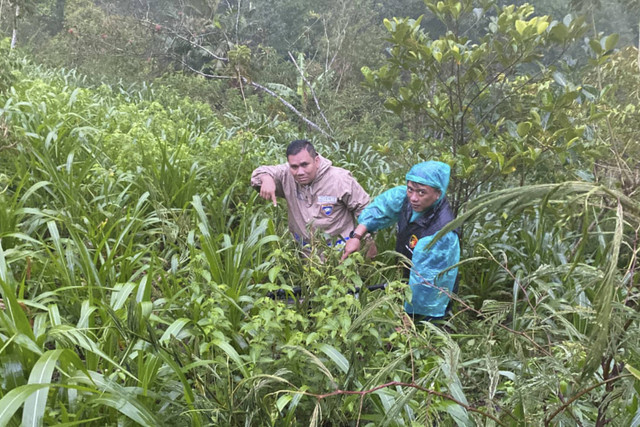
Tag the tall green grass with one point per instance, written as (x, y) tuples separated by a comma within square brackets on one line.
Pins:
[(135, 263)]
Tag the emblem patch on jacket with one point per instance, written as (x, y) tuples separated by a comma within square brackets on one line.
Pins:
[(327, 209), (413, 241)]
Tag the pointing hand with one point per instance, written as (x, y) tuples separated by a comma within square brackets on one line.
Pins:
[(268, 189)]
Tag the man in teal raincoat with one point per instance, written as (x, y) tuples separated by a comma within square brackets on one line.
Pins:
[(421, 210)]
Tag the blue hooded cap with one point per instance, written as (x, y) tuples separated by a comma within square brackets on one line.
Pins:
[(431, 173)]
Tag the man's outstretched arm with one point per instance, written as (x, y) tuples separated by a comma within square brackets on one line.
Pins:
[(268, 189), (267, 180), (382, 212)]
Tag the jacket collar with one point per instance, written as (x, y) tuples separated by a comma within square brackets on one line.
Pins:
[(323, 168)]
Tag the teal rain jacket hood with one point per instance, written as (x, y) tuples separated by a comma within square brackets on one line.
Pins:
[(431, 277), (431, 173)]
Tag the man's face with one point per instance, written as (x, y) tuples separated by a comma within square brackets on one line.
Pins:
[(303, 167), (421, 196)]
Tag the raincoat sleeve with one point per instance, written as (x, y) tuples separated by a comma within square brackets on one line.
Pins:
[(426, 281), (385, 209), (355, 198), (277, 172)]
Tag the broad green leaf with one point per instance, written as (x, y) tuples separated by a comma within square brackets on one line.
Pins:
[(459, 414), (404, 396), (69, 163), (120, 294), (83, 422), (14, 310), (541, 27), (315, 360), (508, 374), (11, 401), (80, 339), (281, 90), (560, 79), (611, 41), (4, 274), (559, 33), (595, 46), (233, 355), (186, 386), (177, 329), (41, 373), (144, 290), (35, 187), (273, 273), (283, 401), (335, 356), (523, 129), (86, 311), (635, 372)]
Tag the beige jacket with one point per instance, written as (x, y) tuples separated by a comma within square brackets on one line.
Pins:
[(331, 203)]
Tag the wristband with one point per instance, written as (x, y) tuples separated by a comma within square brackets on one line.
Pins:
[(354, 235)]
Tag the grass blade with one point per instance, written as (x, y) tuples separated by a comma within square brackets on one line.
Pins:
[(41, 373)]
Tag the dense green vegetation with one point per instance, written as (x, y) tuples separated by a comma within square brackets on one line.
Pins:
[(135, 261)]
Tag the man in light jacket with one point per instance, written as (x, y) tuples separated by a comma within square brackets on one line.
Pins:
[(421, 210), (319, 196)]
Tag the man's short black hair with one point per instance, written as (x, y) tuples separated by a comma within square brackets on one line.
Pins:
[(301, 144)]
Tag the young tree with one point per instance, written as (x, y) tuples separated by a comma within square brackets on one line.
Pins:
[(491, 105)]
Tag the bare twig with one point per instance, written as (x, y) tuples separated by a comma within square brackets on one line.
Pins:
[(579, 395), (631, 271), (209, 76), (238, 21), (4, 130), (183, 38), (313, 92), (10, 146), (339, 39), (266, 90), (289, 106), (14, 34), (410, 385)]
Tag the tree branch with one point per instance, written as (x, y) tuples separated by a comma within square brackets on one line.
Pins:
[(288, 105), (183, 38)]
